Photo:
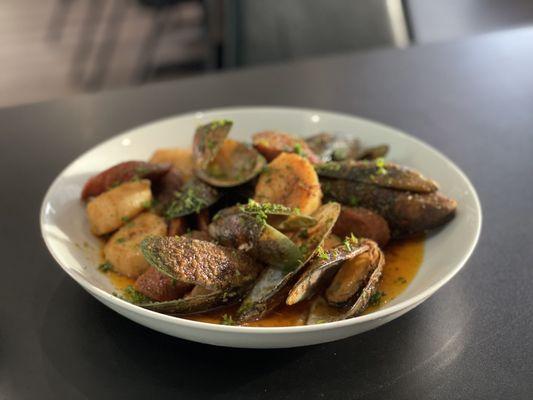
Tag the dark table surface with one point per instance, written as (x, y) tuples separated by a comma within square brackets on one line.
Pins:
[(473, 100)]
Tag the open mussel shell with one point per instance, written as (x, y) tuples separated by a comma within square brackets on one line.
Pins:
[(192, 198), (234, 164), (195, 304), (378, 173), (292, 222), (245, 231), (279, 216), (208, 140), (321, 267), (355, 287), (267, 290)]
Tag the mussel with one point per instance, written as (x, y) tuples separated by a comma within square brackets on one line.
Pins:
[(199, 262), (271, 286), (342, 147), (246, 229), (223, 162), (407, 213), (224, 273), (378, 173), (351, 289)]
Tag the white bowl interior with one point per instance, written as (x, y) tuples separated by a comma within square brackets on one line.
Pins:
[(66, 232)]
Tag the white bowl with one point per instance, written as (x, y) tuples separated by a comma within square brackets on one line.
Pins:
[(66, 233)]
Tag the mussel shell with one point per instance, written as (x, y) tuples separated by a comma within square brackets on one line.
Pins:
[(406, 213), (352, 275), (194, 197), (208, 140), (321, 311), (195, 304), (234, 164), (334, 147), (319, 268), (386, 175), (241, 230), (199, 262), (292, 222), (372, 153), (264, 296)]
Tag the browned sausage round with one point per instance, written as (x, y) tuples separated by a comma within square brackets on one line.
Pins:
[(362, 223)]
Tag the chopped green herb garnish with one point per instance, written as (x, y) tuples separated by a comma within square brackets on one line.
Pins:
[(134, 296), (125, 219), (380, 163), (298, 149), (303, 234), (227, 320), (353, 201), (146, 204), (262, 210), (375, 299), (142, 171), (121, 240), (106, 266), (188, 201), (321, 253)]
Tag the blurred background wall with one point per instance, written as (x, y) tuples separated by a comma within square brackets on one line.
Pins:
[(55, 48)]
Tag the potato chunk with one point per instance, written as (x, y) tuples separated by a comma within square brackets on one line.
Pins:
[(180, 158), (110, 210), (290, 180), (122, 249)]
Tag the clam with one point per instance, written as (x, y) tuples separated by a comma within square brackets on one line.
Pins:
[(269, 290), (223, 162), (378, 173)]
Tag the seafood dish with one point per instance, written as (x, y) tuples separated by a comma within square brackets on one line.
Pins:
[(301, 229)]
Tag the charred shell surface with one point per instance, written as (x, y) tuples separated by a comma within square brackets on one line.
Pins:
[(378, 173), (199, 262), (407, 213)]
